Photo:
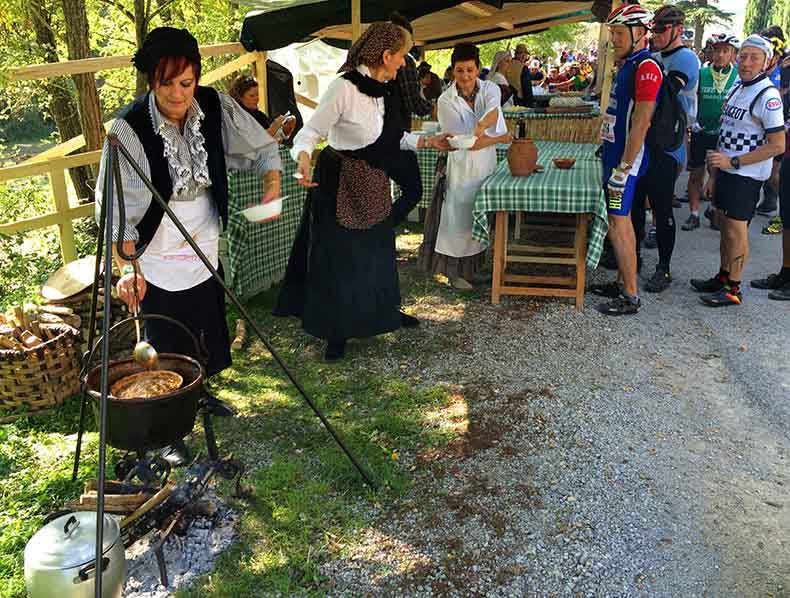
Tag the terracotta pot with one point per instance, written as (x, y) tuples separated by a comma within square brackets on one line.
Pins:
[(522, 157)]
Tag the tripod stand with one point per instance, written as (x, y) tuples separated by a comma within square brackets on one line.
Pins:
[(112, 176)]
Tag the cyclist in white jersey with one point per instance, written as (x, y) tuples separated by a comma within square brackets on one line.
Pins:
[(752, 133)]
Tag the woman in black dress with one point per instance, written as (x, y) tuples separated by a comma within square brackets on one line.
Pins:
[(342, 277)]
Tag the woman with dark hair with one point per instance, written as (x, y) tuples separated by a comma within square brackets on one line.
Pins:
[(244, 90), (342, 277), (468, 107), (183, 137)]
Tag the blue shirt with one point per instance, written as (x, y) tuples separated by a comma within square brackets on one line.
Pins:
[(685, 64), (776, 76), (618, 112)]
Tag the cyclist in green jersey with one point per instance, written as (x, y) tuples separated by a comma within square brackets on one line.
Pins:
[(715, 82)]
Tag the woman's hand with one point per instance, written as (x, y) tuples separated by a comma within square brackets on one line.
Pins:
[(272, 130), (125, 288), (440, 142), (480, 130), (304, 170)]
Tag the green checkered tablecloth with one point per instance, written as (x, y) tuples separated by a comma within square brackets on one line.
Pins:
[(575, 191), (258, 253), (426, 158), (543, 115)]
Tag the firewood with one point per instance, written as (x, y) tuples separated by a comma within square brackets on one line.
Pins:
[(9, 342), (58, 310), (19, 315), (36, 329), (30, 340)]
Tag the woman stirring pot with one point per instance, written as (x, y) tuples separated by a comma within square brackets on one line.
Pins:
[(184, 137)]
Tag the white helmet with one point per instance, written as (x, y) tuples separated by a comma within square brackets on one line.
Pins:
[(630, 15), (724, 38), (761, 43)]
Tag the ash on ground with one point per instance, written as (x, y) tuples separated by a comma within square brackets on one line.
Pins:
[(187, 557)]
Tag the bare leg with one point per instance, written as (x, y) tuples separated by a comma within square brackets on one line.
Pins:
[(735, 234), (621, 234), (696, 180)]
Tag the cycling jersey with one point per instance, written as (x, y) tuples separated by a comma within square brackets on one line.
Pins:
[(752, 110), (711, 100)]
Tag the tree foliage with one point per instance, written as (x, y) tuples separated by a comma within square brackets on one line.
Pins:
[(757, 16)]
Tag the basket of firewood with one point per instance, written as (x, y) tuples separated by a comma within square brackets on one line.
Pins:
[(40, 360)]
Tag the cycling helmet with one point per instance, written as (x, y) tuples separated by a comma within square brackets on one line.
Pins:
[(630, 15), (724, 38), (759, 42)]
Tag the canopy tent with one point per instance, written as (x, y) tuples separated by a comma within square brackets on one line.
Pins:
[(436, 23)]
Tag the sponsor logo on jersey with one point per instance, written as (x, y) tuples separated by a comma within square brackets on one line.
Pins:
[(773, 104), (734, 112)]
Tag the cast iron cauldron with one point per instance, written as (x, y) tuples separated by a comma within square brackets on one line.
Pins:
[(150, 423)]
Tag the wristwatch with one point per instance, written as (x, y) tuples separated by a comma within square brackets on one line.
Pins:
[(735, 162), (624, 167)]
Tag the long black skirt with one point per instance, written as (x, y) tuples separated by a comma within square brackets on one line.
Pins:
[(202, 310), (341, 283)]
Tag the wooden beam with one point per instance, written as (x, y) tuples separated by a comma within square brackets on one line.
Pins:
[(306, 101), (263, 85), (45, 166), (81, 211), (93, 65), (504, 34), (473, 9), (228, 68), (606, 69), (68, 245), (356, 19)]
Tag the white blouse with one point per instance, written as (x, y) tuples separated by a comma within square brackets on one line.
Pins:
[(458, 118), (347, 118)]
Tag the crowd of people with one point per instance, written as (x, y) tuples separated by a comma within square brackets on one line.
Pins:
[(520, 76), (734, 106), (342, 277)]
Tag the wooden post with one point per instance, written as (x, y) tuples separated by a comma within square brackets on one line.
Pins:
[(608, 65), (68, 246), (602, 38), (356, 19), (263, 86)]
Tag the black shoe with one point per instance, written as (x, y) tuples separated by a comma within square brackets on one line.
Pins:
[(723, 298), (684, 199), (216, 407), (707, 285), (610, 290), (676, 203), (177, 454), (691, 223), (781, 294), (619, 306), (335, 351), (407, 321), (773, 282), (660, 280)]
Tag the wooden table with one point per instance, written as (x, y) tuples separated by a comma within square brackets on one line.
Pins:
[(556, 203)]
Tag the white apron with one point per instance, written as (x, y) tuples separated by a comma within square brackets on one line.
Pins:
[(466, 171), (169, 262)]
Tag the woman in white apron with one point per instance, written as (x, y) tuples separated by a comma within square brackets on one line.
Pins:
[(468, 107)]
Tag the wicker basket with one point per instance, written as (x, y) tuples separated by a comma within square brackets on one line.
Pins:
[(42, 377)]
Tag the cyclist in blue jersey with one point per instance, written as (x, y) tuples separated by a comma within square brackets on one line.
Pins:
[(625, 158)]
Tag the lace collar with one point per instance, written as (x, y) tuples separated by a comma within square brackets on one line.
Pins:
[(186, 170)]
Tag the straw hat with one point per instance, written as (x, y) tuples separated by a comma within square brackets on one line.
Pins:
[(71, 279)]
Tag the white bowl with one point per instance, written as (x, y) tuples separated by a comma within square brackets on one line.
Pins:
[(264, 211), (462, 141), (431, 127)]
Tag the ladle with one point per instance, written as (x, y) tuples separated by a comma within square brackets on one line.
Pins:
[(144, 353)]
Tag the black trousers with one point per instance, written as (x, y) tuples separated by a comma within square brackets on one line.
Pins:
[(657, 185)]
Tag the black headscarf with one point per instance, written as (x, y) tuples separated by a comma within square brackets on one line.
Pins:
[(166, 41)]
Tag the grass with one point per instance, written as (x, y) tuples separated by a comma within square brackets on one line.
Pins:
[(308, 504)]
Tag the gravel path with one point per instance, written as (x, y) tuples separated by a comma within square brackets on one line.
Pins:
[(641, 456)]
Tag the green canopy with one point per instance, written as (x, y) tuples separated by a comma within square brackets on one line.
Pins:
[(437, 23)]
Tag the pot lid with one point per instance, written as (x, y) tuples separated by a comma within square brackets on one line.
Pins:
[(69, 280), (69, 541)]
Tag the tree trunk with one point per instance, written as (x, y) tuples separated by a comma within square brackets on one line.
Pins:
[(61, 92), (699, 27), (140, 30), (78, 43)]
